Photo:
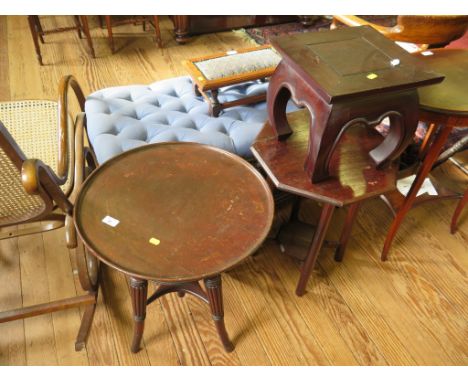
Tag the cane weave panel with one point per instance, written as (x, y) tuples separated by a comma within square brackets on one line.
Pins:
[(16, 205), (34, 126)]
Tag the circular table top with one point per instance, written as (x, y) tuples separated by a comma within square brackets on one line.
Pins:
[(184, 211), (451, 95)]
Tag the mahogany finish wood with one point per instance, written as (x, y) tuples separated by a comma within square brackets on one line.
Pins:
[(209, 88), (38, 33), (187, 212), (187, 26), (354, 177), (445, 104), (344, 77)]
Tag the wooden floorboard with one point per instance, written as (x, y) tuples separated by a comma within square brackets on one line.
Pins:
[(410, 310)]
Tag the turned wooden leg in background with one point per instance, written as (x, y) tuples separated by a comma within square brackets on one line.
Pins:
[(319, 236), (139, 293), (215, 297), (35, 36), (85, 25), (157, 31), (110, 35), (353, 210)]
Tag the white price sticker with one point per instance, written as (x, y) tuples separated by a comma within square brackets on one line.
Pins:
[(109, 220)]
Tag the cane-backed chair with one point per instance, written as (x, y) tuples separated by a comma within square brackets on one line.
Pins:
[(42, 189)]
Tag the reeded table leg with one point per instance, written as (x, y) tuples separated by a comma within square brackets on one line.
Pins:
[(215, 297), (139, 293)]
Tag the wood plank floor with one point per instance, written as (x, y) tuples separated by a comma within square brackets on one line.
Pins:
[(410, 310)]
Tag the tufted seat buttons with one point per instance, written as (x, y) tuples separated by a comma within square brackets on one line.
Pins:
[(122, 118)]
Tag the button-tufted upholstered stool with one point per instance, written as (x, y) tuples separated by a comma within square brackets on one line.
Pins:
[(122, 118)]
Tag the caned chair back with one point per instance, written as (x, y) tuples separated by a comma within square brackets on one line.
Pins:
[(16, 205)]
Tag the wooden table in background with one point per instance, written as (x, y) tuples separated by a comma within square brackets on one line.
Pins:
[(186, 212)]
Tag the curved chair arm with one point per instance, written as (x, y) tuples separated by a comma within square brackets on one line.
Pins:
[(37, 177), (65, 83)]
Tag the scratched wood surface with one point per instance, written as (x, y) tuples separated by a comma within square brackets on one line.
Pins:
[(411, 310)]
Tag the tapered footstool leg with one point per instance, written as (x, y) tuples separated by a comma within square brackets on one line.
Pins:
[(215, 297), (139, 293)]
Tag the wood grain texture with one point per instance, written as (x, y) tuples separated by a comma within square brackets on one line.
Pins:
[(411, 310)]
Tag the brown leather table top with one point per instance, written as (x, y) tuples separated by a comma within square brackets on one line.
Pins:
[(185, 211)]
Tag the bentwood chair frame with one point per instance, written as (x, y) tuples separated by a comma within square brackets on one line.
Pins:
[(32, 193)]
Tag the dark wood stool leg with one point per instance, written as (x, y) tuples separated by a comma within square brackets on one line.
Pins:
[(215, 297), (110, 36), (423, 171), (84, 23), (461, 204), (139, 293), (157, 31), (34, 34), (346, 232), (319, 236)]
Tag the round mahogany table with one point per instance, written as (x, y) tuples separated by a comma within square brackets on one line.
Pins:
[(444, 104), (174, 213)]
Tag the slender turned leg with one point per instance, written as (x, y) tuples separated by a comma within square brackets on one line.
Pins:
[(110, 36), (78, 25), (215, 297), (32, 27), (39, 29), (319, 236), (214, 104), (139, 292), (346, 232), (157, 31), (461, 204), (424, 170), (84, 23)]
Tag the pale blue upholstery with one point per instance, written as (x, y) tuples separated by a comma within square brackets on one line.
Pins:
[(125, 117)]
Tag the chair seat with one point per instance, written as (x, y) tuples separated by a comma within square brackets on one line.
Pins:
[(34, 126)]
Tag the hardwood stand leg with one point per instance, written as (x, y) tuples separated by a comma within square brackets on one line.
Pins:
[(319, 236), (346, 232), (139, 293), (215, 297)]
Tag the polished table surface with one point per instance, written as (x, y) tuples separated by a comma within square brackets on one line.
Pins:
[(450, 96), (186, 211)]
